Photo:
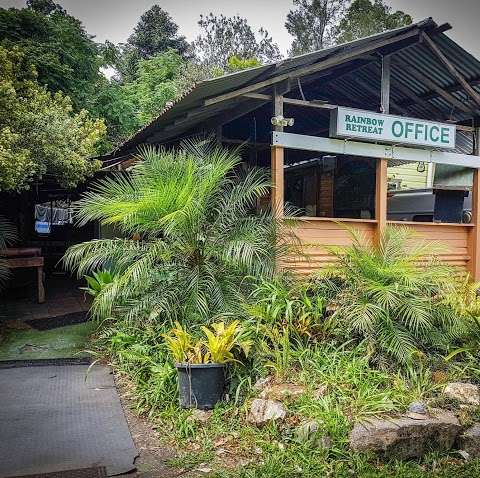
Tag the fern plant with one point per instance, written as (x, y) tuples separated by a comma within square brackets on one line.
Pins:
[(190, 235), (392, 293)]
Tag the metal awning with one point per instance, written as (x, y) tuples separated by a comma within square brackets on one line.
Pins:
[(414, 62)]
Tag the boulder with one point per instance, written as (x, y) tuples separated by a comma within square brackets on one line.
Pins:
[(309, 432), (469, 441), (405, 437), (466, 393), (263, 411), (282, 391)]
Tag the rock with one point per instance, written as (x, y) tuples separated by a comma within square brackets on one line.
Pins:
[(282, 391), (417, 407), (262, 383), (467, 393), (417, 411), (263, 411), (469, 441), (320, 392), (200, 416), (405, 437), (308, 432)]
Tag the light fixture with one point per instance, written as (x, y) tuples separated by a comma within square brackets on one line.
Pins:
[(281, 121)]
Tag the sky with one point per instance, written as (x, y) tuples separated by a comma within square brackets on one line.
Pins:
[(114, 19)]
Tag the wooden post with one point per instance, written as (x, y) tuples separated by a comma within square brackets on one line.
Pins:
[(385, 93), (277, 181), (381, 196), (277, 161), (40, 286), (474, 242)]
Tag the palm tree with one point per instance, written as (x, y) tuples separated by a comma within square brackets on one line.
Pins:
[(394, 294), (191, 236), (8, 235)]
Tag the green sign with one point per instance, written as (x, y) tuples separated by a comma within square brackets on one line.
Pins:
[(377, 127)]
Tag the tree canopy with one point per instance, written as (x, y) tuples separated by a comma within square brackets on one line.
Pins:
[(364, 18), (155, 33), (64, 55), (312, 23), (224, 37), (40, 134)]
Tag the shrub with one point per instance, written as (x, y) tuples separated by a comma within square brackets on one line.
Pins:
[(194, 236), (393, 294)]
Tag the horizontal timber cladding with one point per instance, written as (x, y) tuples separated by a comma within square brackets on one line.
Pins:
[(316, 235), (453, 240)]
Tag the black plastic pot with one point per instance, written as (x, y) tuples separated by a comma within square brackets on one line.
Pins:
[(200, 385)]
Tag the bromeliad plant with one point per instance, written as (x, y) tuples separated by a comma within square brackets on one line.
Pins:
[(201, 363), (219, 345), (97, 282), (393, 295), (194, 236)]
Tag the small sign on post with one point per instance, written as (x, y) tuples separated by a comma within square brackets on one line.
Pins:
[(378, 127)]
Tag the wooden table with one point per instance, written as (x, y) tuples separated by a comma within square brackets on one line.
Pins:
[(23, 257)]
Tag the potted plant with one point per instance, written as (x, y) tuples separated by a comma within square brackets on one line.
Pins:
[(201, 363)]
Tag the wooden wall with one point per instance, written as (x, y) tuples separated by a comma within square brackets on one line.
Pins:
[(454, 240), (316, 234)]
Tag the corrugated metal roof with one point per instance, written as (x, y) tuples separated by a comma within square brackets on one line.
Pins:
[(419, 57)]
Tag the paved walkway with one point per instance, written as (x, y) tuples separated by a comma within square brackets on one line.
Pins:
[(62, 417)]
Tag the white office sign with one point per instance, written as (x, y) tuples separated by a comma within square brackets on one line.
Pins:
[(371, 126)]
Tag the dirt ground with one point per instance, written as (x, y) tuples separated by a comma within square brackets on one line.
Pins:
[(153, 456)]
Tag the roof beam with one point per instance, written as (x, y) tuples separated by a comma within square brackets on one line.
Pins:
[(451, 68), (322, 65), (292, 101), (212, 121)]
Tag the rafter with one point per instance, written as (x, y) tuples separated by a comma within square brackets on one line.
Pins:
[(451, 68), (307, 70)]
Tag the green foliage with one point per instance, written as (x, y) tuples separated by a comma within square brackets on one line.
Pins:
[(8, 235), (117, 105), (39, 132), (287, 303), (224, 37), (97, 282), (155, 34), (219, 347), (364, 18), (312, 23), (65, 56), (161, 80), (235, 63), (393, 294), (191, 207)]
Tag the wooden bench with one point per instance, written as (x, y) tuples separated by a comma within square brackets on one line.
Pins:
[(24, 257)]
